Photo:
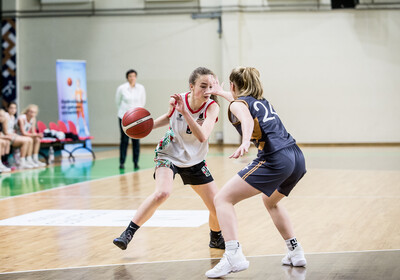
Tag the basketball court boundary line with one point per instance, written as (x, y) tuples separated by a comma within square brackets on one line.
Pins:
[(72, 185), (203, 259), (187, 196), (113, 196)]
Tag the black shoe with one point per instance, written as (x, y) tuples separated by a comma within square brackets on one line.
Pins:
[(217, 243), (121, 166), (136, 167), (123, 241)]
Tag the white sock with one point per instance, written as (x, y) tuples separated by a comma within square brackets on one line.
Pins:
[(29, 159), (291, 243), (22, 161), (231, 246)]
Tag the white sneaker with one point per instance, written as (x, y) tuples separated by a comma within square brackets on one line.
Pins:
[(229, 263), (32, 163), (39, 163), (25, 165), (295, 257), (4, 168)]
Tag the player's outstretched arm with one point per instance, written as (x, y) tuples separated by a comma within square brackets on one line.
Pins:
[(163, 120), (217, 89), (241, 111)]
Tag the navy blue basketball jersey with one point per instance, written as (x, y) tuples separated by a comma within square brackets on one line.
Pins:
[(269, 134)]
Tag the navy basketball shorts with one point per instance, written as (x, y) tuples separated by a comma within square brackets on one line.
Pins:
[(197, 174), (278, 171)]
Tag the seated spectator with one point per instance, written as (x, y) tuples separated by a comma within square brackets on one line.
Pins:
[(4, 144), (23, 143), (26, 126)]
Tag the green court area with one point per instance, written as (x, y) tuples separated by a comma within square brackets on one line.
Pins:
[(83, 170), (66, 173)]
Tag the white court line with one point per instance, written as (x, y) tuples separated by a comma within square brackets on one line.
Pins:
[(107, 218), (72, 185), (195, 196), (114, 196), (203, 259)]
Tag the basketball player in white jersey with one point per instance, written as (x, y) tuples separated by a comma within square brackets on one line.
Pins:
[(191, 119)]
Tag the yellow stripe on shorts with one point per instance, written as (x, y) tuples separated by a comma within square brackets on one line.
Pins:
[(252, 170)]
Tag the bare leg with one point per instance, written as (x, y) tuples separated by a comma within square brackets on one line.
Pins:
[(36, 145), (207, 193), (279, 214), (164, 180), (22, 143), (235, 190), (233, 260), (295, 255), (29, 151), (2, 145), (7, 147)]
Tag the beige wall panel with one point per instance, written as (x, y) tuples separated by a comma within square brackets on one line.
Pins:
[(332, 76)]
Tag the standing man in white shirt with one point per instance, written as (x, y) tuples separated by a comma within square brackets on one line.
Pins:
[(129, 95)]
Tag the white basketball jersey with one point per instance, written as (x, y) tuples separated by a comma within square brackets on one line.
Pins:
[(179, 145), (27, 125)]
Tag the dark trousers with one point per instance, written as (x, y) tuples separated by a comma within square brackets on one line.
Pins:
[(123, 146)]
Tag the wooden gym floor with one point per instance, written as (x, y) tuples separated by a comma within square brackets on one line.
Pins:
[(345, 212)]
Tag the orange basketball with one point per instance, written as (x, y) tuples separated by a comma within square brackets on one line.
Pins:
[(69, 81), (137, 123)]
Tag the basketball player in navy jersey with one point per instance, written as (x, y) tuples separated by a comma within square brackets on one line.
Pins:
[(274, 173)]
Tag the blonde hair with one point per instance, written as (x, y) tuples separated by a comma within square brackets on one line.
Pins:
[(30, 106), (247, 81)]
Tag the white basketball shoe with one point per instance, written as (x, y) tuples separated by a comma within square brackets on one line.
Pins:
[(295, 257), (4, 168), (229, 263), (30, 161), (39, 163), (24, 164)]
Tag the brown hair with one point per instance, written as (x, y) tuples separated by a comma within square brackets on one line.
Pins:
[(200, 71)]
